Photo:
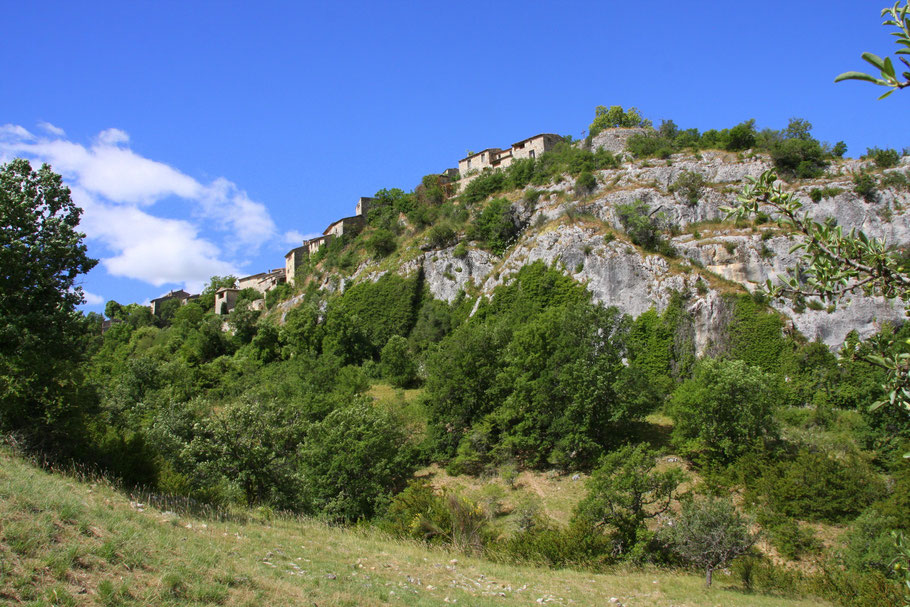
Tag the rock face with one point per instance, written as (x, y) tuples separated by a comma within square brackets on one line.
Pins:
[(622, 275)]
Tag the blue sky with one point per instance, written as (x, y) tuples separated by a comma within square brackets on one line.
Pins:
[(209, 137)]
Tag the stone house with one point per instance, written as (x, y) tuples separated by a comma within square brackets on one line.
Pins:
[(363, 205), (293, 259), (262, 282), (225, 299), (346, 225), (314, 244), (496, 158), (179, 295)]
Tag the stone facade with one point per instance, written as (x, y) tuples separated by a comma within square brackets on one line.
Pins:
[(314, 244), (225, 299), (346, 225), (179, 294), (293, 260), (262, 282), (496, 158), (363, 205)]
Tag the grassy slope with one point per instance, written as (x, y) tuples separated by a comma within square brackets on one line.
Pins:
[(65, 542)]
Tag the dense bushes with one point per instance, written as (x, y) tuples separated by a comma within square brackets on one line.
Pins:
[(615, 117), (723, 410), (495, 226), (794, 151), (353, 461)]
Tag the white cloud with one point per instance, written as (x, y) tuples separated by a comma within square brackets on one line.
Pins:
[(153, 249), (91, 299), (296, 238), (113, 137), (118, 189), (52, 129), (16, 131)]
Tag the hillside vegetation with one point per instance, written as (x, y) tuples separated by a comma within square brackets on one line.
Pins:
[(80, 542), (558, 364)]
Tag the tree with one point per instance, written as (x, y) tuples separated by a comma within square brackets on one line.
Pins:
[(354, 461), (41, 256), (885, 66), (709, 533), (625, 490), (616, 117), (398, 363), (723, 409)]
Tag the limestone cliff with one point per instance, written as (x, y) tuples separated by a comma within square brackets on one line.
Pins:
[(713, 257)]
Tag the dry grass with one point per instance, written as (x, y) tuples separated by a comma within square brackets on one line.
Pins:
[(64, 542)]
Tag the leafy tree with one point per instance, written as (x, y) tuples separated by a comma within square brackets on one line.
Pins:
[(560, 374), (741, 136), (251, 443), (398, 362), (354, 461), (724, 409), (41, 257), (495, 225), (381, 242), (889, 78), (614, 117), (709, 533), (639, 222), (625, 490)]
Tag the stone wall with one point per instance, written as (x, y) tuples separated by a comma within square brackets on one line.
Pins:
[(293, 260)]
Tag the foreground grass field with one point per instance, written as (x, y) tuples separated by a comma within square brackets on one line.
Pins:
[(66, 542)]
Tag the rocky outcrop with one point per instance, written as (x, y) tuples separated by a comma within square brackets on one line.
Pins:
[(622, 275)]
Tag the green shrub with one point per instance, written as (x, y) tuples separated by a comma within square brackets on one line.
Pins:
[(814, 486), (353, 461), (802, 158), (896, 180), (865, 185), (278, 294), (381, 242), (585, 183), (884, 159), (786, 535), (640, 225), (869, 545), (460, 251), (495, 226), (441, 235), (723, 410), (614, 117), (690, 185), (398, 364)]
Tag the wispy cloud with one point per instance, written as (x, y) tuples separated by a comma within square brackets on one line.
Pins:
[(296, 238), (118, 189), (92, 299), (52, 129)]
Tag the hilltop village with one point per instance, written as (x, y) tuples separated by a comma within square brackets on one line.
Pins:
[(469, 167)]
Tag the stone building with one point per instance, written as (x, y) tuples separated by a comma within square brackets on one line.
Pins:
[(180, 295), (293, 260), (262, 282), (496, 158), (225, 299), (314, 244), (346, 225), (363, 205)]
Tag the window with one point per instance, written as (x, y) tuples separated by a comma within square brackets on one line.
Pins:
[(531, 154)]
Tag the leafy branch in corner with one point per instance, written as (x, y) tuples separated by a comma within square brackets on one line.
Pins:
[(834, 264), (899, 19)]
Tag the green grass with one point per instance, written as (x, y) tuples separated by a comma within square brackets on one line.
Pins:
[(65, 542)]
